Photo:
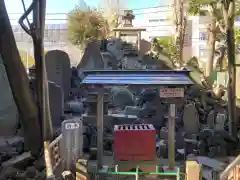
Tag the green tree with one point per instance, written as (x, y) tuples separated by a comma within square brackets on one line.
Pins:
[(165, 45), (219, 12), (237, 36), (84, 26)]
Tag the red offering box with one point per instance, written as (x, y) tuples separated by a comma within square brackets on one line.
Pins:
[(135, 142)]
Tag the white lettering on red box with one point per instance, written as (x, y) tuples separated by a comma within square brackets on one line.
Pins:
[(171, 92)]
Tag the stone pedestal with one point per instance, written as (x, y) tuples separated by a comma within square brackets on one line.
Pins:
[(176, 170), (144, 166), (190, 146)]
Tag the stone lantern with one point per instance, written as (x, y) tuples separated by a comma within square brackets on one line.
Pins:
[(127, 18), (127, 32)]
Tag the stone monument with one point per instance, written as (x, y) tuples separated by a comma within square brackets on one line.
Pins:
[(191, 119), (58, 70)]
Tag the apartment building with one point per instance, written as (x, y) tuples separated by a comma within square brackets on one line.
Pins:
[(157, 22)]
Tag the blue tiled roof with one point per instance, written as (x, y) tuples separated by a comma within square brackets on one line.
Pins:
[(137, 79)]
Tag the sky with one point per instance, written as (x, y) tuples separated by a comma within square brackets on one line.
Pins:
[(14, 7)]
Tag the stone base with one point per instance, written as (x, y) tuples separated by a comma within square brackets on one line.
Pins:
[(144, 166), (167, 169)]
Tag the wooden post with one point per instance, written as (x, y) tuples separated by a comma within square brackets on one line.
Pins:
[(100, 127), (171, 136)]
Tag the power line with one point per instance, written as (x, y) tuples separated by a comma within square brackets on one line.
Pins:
[(54, 19), (19, 13), (64, 30), (152, 12), (63, 13), (150, 7), (160, 25)]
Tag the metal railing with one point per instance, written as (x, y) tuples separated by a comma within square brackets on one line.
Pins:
[(138, 173), (232, 171)]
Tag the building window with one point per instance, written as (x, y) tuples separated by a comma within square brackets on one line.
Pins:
[(203, 36), (203, 52), (156, 20)]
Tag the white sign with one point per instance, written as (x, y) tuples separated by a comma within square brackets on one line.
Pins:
[(72, 126), (171, 92)]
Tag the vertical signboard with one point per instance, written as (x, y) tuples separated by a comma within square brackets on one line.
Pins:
[(72, 141)]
